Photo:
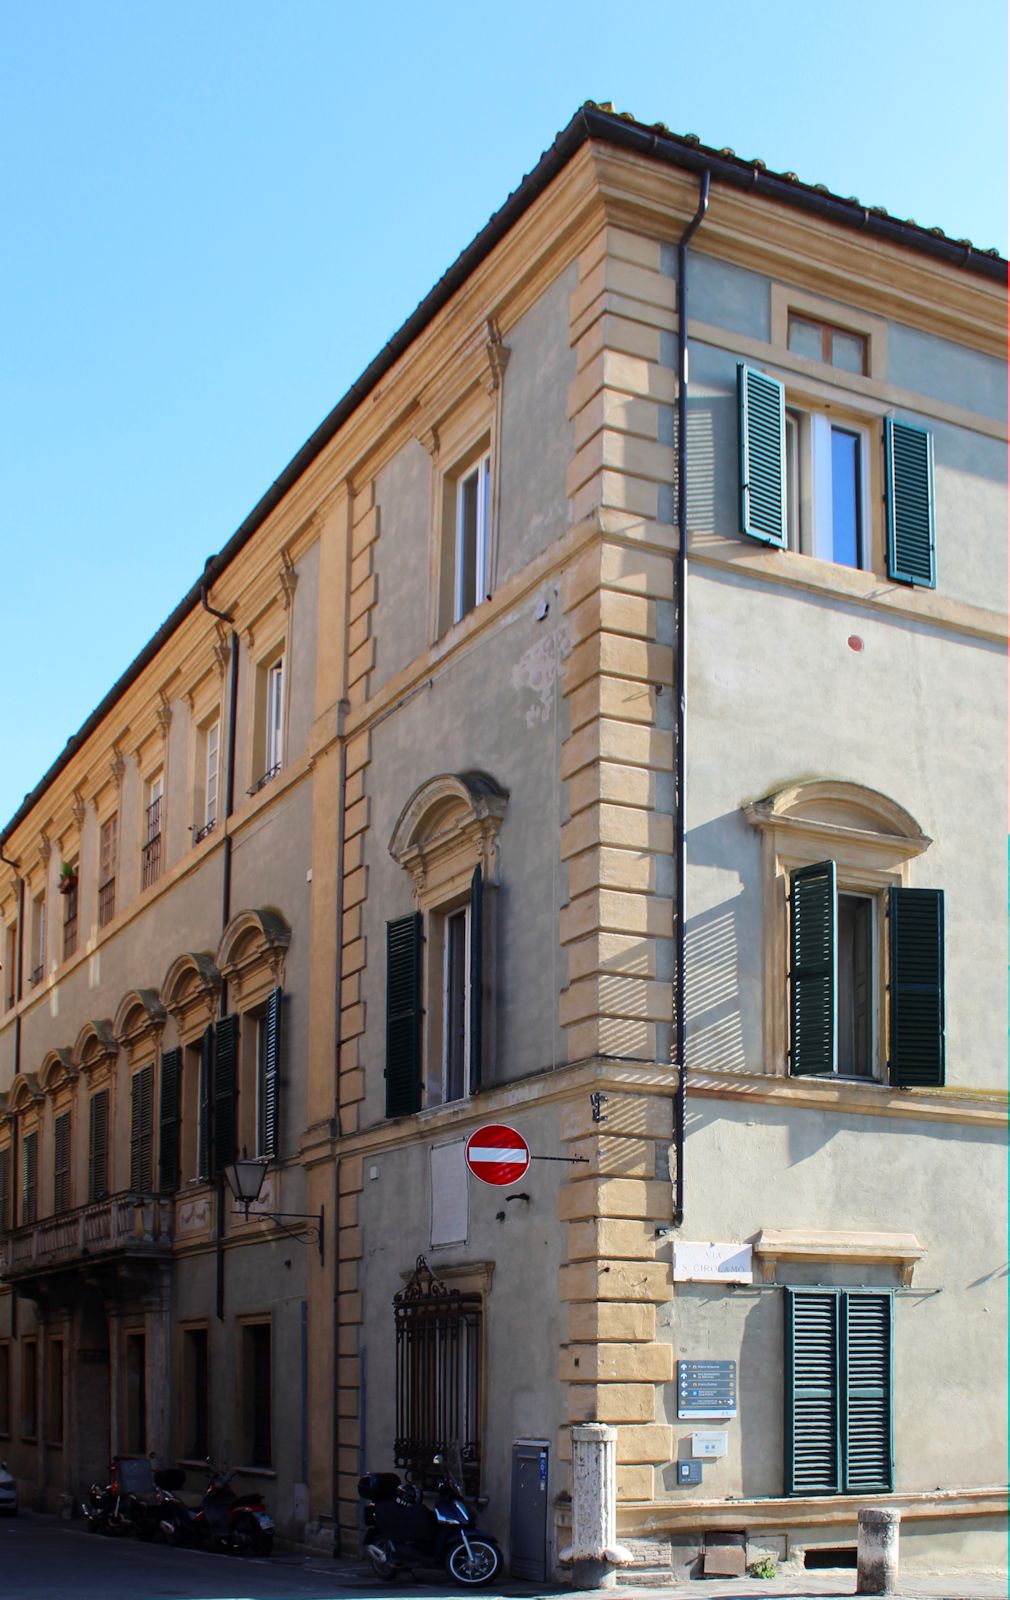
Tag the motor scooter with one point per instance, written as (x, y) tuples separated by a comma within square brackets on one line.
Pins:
[(401, 1531), (240, 1524)]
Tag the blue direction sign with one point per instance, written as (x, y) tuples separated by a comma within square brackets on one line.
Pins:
[(706, 1388)]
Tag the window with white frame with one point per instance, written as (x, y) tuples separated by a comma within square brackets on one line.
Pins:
[(827, 487), (154, 807), (38, 967), (473, 500), (268, 740), (208, 779)]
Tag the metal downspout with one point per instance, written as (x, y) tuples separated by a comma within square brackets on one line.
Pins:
[(680, 627)]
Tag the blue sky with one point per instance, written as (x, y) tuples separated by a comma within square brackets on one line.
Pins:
[(215, 215)]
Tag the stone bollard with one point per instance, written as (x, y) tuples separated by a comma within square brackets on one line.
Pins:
[(594, 1553), (877, 1552)]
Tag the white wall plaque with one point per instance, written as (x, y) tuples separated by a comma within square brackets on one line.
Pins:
[(712, 1262), (449, 1204)]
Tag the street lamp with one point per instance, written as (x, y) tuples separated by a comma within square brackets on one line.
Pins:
[(245, 1180)]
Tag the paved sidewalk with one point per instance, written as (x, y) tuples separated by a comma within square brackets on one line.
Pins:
[(349, 1575)]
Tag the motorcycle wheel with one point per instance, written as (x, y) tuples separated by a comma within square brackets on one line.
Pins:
[(380, 1554), (249, 1539), (176, 1537), (476, 1568)]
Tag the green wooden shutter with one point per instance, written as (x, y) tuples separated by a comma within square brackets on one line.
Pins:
[(813, 1456), (30, 1177), (476, 979), (61, 1163), (204, 1150), (271, 1072), (761, 408), (866, 1421), (98, 1145), (225, 1092), (168, 1143), (911, 539), (141, 1130), (813, 969), (916, 1046), (403, 1015), (5, 1190)]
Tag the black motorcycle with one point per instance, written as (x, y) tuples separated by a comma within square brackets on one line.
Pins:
[(127, 1503), (222, 1519), (403, 1532)]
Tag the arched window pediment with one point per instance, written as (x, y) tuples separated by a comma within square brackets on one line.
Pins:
[(833, 818), (56, 1070), (190, 989), (252, 951), (94, 1046), (450, 825), (141, 1015), (24, 1092)]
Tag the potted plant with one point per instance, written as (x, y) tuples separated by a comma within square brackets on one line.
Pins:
[(68, 878)]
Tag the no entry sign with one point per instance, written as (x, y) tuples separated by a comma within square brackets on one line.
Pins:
[(497, 1154)]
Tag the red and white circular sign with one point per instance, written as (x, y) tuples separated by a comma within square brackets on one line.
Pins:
[(497, 1154)]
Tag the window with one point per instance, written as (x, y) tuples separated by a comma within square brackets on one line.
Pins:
[(108, 850), (54, 1392), (10, 966), (805, 482), (838, 1392), (38, 939), (68, 891), (5, 1390), (98, 1145), (61, 1162), (257, 1393), (150, 855), (210, 746), (821, 341), (438, 1375), (470, 568), (195, 1394), (5, 1190), (142, 1130), (834, 979), (268, 742), (827, 488), (30, 1177), (440, 977), (29, 1388)]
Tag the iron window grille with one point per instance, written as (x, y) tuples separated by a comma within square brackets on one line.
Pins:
[(267, 777), (106, 901), (438, 1377), (150, 855), (70, 924)]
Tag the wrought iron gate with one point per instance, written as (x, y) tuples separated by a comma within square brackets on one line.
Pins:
[(438, 1376)]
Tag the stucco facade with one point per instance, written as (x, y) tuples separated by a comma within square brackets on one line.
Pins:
[(444, 855)]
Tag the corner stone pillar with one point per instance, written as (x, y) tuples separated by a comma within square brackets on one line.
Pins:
[(877, 1552), (594, 1553)]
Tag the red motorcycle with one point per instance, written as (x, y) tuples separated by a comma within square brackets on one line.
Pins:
[(223, 1520)]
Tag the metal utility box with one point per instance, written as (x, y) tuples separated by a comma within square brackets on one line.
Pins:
[(528, 1554)]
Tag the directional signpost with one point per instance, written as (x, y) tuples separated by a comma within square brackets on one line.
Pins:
[(497, 1154), (706, 1389)]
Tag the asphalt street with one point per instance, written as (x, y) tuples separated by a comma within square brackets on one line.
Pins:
[(44, 1558)]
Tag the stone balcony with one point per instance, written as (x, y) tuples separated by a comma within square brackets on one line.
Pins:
[(129, 1229)]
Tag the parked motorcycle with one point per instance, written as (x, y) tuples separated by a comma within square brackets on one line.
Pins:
[(401, 1531), (222, 1519), (126, 1504)]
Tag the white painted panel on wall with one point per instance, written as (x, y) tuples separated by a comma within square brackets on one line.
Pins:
[(711, 1262), (449, 1191)]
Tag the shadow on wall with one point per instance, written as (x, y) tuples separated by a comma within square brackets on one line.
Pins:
[(711, 437), (714, 1028)]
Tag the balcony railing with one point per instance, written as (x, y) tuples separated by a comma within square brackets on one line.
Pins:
[(36, 974), (268, 777), (121, 1224), (199, 834), (106, 901), (150, 862)]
